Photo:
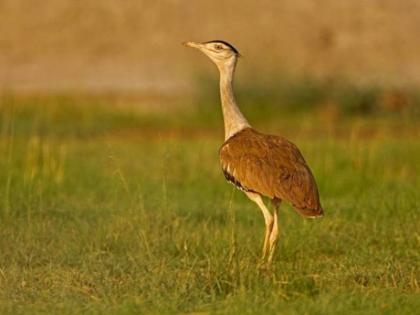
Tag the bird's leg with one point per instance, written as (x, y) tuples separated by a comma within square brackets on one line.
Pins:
[(268, 227), (268, 218), (274, 233)]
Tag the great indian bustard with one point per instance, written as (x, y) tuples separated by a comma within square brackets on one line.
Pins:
[(259, 164)]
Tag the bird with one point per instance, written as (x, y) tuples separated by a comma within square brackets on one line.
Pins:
[(261, 165)]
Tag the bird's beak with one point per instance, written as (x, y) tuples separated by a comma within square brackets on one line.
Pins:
[(192, 45)]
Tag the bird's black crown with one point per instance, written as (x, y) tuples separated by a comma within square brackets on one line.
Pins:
[(226, 43)]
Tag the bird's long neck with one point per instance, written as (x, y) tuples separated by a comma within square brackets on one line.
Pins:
[(233, 119)]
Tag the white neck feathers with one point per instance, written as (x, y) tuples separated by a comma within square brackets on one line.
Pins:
[(233, 119)]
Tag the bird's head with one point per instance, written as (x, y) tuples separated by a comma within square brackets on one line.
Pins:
[(220, 52)]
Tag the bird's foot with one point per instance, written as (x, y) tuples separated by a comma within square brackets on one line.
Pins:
[(265, 267), (261, 265)]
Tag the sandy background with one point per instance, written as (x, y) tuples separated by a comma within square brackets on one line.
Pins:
[(134, 46)]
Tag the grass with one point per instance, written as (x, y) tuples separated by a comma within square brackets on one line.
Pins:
[(112, 211)]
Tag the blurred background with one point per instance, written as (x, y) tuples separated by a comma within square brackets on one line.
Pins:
[(134, 46)]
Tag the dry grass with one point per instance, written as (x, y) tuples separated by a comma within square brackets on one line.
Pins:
[(102, 213)]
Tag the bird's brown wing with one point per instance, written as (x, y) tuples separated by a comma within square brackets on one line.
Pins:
[(271, 166)]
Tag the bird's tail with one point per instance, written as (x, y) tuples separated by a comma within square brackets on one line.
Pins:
[(311, 213)]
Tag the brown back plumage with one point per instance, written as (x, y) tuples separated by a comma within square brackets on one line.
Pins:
[(271, 166)]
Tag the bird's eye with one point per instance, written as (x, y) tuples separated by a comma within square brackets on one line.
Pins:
[(218, 47)]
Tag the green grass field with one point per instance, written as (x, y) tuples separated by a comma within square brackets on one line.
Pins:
[(113, 211)]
